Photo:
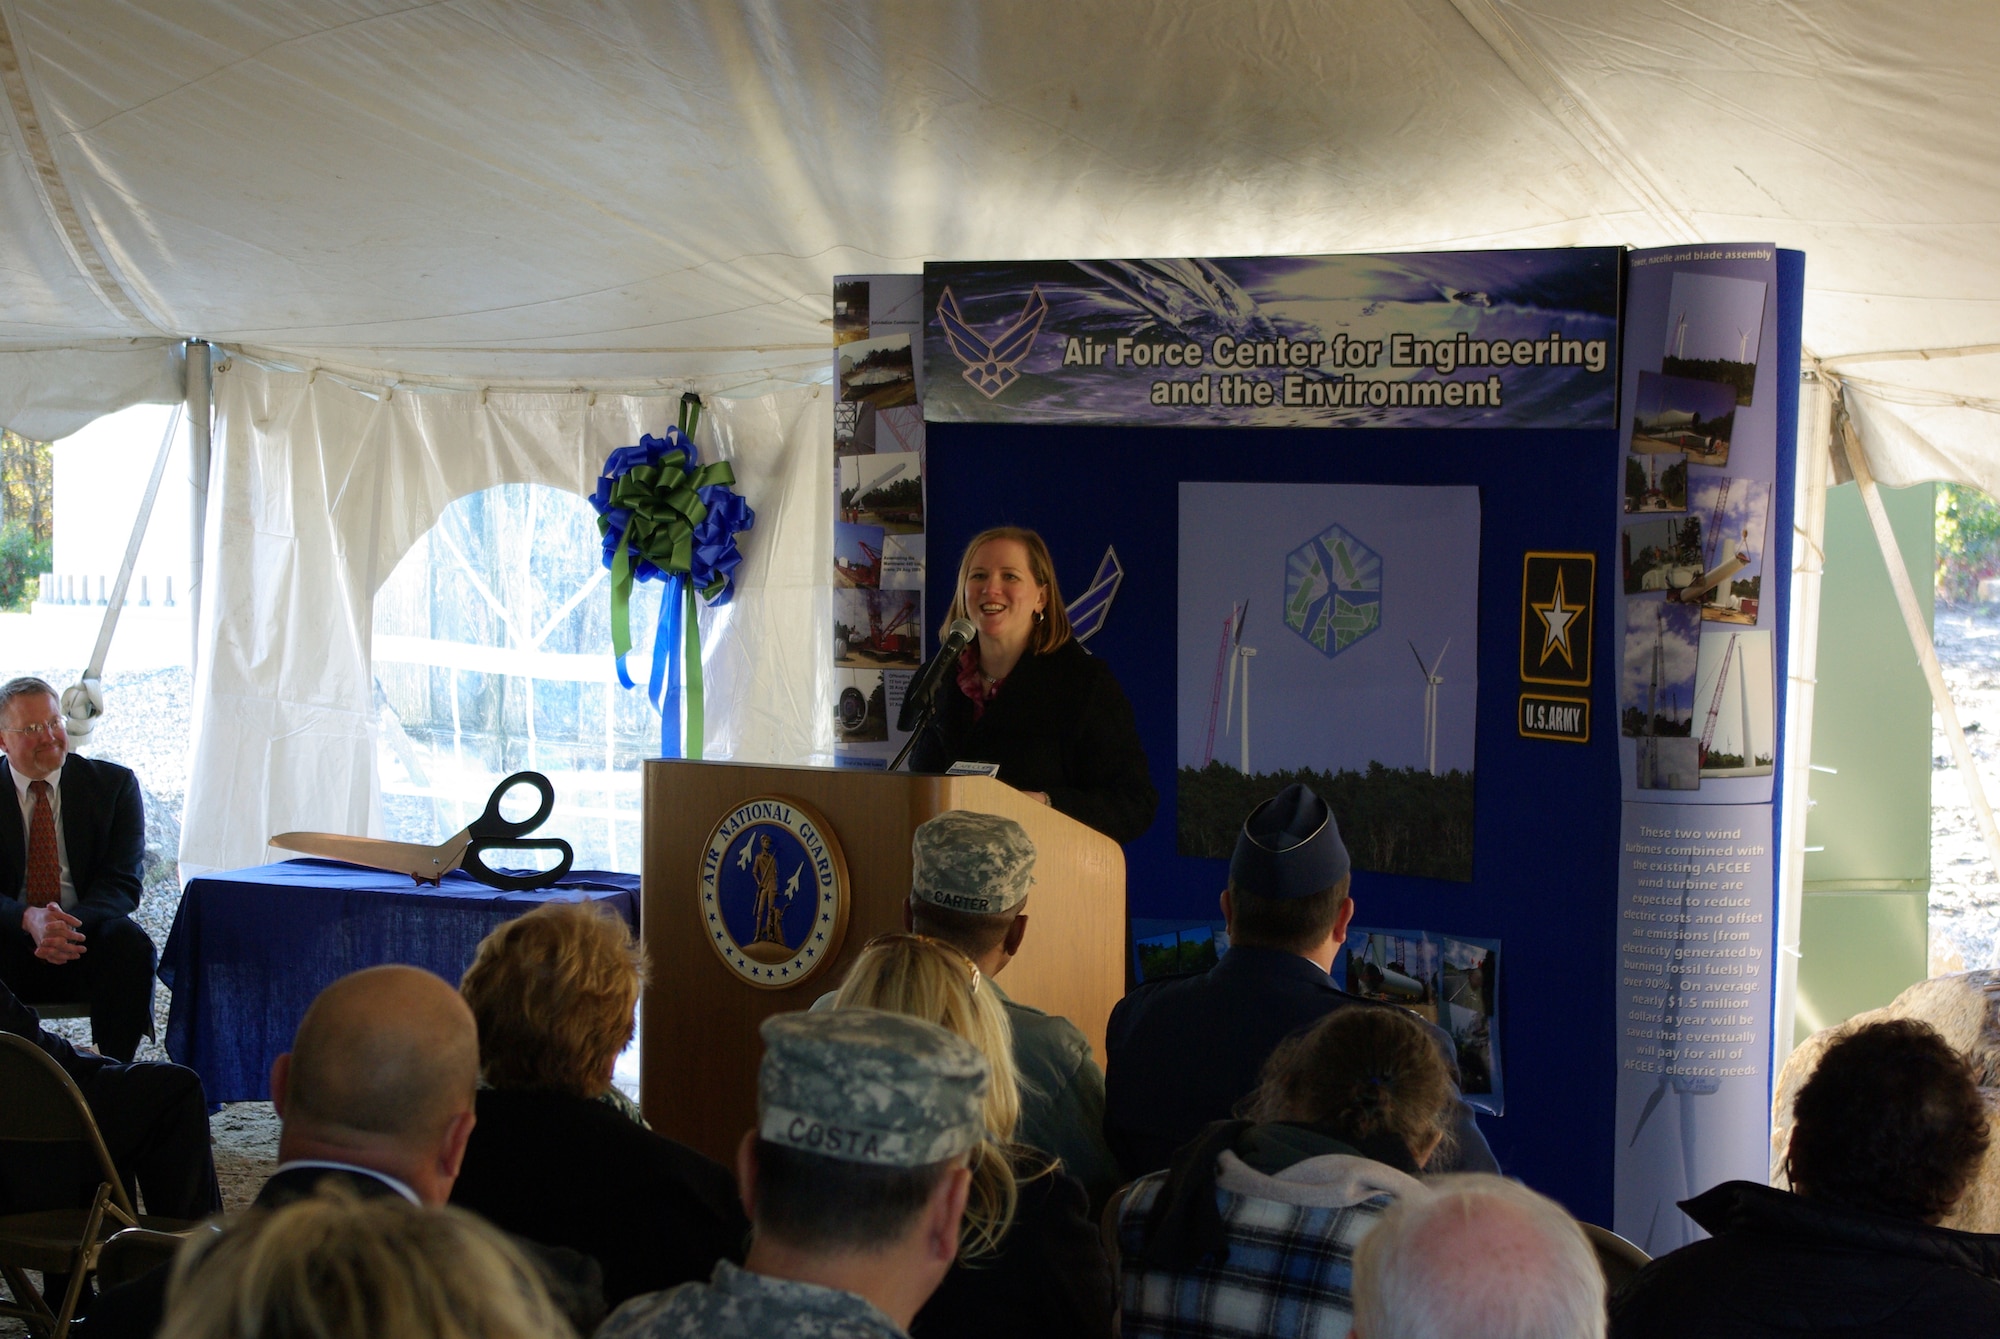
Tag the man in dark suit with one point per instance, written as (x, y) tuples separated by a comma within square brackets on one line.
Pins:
[(72, 838), (154, 1119), (376, 1093), (1184, 1050)]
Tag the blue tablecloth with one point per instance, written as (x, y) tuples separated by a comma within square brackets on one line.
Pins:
[(251, 948)]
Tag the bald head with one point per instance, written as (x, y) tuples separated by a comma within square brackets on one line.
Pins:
[(1477, 1257), (390, 1053)]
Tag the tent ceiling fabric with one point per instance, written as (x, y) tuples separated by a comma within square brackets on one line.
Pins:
[(635, 193)]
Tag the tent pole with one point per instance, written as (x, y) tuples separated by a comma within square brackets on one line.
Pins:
[(1920, 636), (200, 388), (1801, 687)]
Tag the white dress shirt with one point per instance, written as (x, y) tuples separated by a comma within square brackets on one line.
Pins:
[(306, 1164), (21, 785)]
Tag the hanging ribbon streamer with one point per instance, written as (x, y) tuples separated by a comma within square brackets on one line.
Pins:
[(666, 516)]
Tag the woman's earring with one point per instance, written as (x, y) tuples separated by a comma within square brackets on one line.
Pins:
[(1041, 617)]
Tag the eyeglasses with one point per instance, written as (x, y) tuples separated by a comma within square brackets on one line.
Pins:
[(39, 730), (903, 937)]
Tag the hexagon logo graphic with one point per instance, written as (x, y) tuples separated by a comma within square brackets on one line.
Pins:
[(1333, 590)]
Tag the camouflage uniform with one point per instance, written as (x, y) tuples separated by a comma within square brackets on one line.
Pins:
[(985, 865), (964, 861), (1062, 1096), (857, 1085), (737, 1304)]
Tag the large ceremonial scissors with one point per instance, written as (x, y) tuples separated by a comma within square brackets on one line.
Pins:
[(429, 864)]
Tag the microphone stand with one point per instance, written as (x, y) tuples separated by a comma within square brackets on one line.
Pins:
[(923, 723), (928, 681)]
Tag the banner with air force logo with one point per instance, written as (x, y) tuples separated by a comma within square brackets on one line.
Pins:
[(1488, 339)]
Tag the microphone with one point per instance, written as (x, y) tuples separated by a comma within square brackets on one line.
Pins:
[(917, 702)]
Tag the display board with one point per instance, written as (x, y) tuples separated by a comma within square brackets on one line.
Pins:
[(1369, 513), (879, 626)]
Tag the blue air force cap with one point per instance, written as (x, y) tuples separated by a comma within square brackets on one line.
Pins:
[(1290, 847)]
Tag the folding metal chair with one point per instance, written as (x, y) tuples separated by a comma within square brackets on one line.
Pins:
[(140, 1250), (1617, 1257), (44, 1106)]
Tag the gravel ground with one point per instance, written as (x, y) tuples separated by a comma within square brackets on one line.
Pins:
[(1965, 895)]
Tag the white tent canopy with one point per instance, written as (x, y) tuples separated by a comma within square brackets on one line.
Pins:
[(636, 195), (469, 242)]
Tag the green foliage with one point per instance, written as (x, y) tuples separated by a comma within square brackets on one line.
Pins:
[(27, 485), (1183, 955), (1398, 820), (1968, 541), (27, 517), (22, 558)]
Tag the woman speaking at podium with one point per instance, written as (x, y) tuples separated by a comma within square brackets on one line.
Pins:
[(1027, 696)]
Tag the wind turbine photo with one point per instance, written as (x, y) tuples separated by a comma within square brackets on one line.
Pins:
[(1432, 681), (1661, 640), (1736, 728), (1704, 310), (1323, 587)]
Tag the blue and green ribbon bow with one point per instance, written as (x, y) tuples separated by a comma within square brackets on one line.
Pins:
[(665, 515)]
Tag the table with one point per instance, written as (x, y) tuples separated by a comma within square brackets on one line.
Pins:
[(251, 948)]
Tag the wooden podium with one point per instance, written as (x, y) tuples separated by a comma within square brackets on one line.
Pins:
[(698, 1021)]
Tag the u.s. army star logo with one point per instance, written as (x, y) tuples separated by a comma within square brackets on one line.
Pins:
[(1557, 591), (773, 892)]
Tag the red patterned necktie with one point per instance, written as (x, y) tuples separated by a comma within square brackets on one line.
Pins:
[(44, 873)]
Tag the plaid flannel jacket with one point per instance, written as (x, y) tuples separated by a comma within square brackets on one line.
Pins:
[(1290, 1264)]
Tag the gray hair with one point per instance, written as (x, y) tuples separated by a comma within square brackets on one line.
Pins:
[(25, 686), (1477, 1255)]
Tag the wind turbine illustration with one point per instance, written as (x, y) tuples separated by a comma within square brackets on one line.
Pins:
[(1432, 679), (1681, 336), (1241, 655), (1742, 345)]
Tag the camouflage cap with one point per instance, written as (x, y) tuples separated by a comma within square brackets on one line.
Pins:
[(862, 1085), (964, 861)]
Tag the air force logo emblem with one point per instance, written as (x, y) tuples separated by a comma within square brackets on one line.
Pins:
[(991, 366), (773, 892)]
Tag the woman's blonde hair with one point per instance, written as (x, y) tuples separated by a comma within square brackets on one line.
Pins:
[(553, 993), (929, 979), (336, 1266), (1053, 628)]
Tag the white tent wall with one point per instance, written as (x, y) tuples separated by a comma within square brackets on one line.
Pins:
[(318, 487), (1948, 431), (47, 394)]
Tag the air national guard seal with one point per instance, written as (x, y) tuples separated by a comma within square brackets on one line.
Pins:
[(773, 892)]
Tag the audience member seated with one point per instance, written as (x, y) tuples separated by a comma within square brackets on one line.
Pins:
[(154, 1120), (553, 993), (1031, 1261), (1478, 1257), (1886, 1135), (969, 880), (1254, 1228), (337, 1266), (855, 1180), (376, 1095), (71, 846), (1182, 1051)]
